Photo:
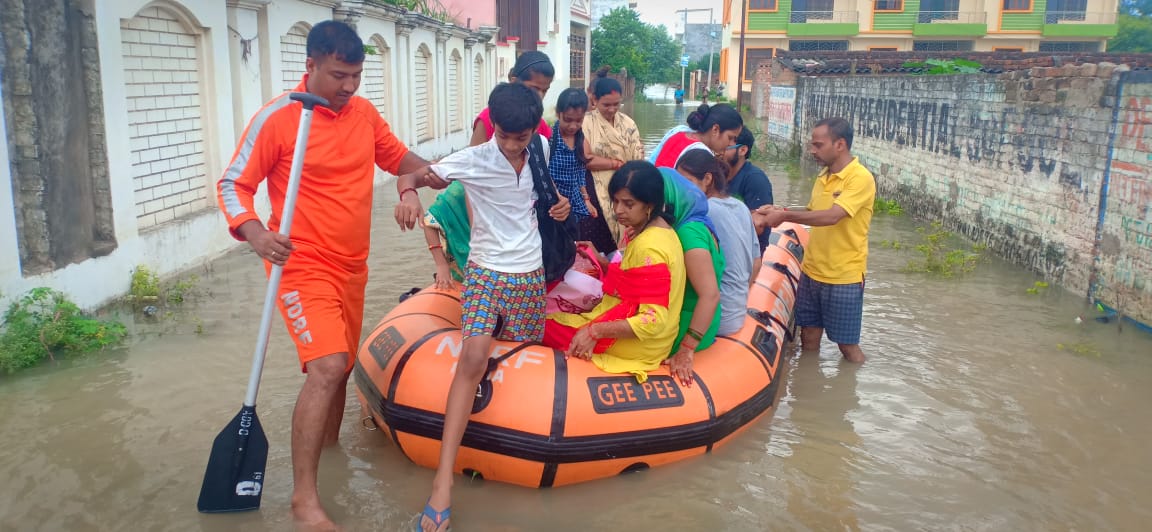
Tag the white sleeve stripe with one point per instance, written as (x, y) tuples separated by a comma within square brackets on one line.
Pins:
[(228, 183)]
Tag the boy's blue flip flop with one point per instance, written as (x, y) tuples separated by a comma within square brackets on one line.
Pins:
[(437, 518)]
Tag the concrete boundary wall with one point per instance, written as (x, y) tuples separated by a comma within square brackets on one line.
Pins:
[(236, 46), (1050, 167)]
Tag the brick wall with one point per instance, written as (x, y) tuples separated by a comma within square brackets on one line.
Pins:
[(1124, 251), (861, 62), (162, 78), (293, 53), (1016, 161), (761, 88), (374, 82)]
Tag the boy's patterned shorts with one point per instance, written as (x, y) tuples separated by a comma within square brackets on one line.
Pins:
[(508, 306)]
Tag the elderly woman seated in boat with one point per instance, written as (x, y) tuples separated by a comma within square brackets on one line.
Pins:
[(734, 231), (635, 326)]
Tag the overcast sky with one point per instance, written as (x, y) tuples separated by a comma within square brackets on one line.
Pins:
[(658, 12)]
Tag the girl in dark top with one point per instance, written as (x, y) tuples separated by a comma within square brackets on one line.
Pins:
[(570, 158)]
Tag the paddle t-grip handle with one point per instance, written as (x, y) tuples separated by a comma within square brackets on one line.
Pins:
[(308, 99)]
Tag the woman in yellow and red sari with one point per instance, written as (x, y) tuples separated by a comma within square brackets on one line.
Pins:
[(633, 328)]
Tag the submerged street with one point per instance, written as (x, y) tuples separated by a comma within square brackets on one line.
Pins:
[(981, 407)]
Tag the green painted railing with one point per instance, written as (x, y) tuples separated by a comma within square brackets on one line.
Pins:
[(902, 21), (1033, 21), (951, 24), (932, 24), (823, 23), (774, 21)]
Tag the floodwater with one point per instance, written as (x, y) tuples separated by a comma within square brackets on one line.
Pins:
[(981, 407)]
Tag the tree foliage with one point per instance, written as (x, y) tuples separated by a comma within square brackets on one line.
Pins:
[(1136, 7), (1133, 34), (623, 41), (1134, 28)]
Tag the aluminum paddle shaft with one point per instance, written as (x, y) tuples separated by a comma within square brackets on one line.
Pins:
[(309, 101)]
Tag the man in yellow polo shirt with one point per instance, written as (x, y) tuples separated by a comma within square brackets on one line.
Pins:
[(831, 292)]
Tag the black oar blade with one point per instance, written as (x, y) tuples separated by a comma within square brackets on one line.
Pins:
[(234, 478)]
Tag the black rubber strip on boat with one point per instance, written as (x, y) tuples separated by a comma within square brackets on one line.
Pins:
[(796, 250), (544, 449), (707, 397), (774, 238), (760, 357), (766, 318), (559, 413), (783, 268), (396, 378), (371, 393)]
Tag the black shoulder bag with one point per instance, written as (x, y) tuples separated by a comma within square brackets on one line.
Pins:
[(557, 246)]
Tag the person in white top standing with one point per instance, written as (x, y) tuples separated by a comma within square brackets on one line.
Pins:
[(504, 280)]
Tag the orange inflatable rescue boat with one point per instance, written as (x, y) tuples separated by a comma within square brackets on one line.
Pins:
[(540, 420)]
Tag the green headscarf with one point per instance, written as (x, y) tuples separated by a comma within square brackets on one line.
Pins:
[(450, 213), (685, 200), (689, 207)]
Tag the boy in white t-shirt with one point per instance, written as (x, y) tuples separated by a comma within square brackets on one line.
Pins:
[(504, 277)]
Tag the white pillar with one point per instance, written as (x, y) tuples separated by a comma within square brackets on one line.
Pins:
[(246, 59), (440, 56), (470, 108), (406, 84), (491, 75)]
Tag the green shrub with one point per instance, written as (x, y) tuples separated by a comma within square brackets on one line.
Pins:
[(884, 206), (1083, 349), (44, 323), (939, 257), (181, 289), (145, 284), (146, 287), (939, 67)]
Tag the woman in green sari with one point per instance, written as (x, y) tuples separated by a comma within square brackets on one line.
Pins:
[(704, 264), (448, 231)]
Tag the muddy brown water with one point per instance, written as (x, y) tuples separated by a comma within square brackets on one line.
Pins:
[(982, 407)]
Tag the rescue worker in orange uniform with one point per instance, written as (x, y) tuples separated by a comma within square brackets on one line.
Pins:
[(321, 295)]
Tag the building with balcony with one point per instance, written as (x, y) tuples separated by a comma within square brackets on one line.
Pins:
[(559, 28), (769, 26), (580, 43)]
